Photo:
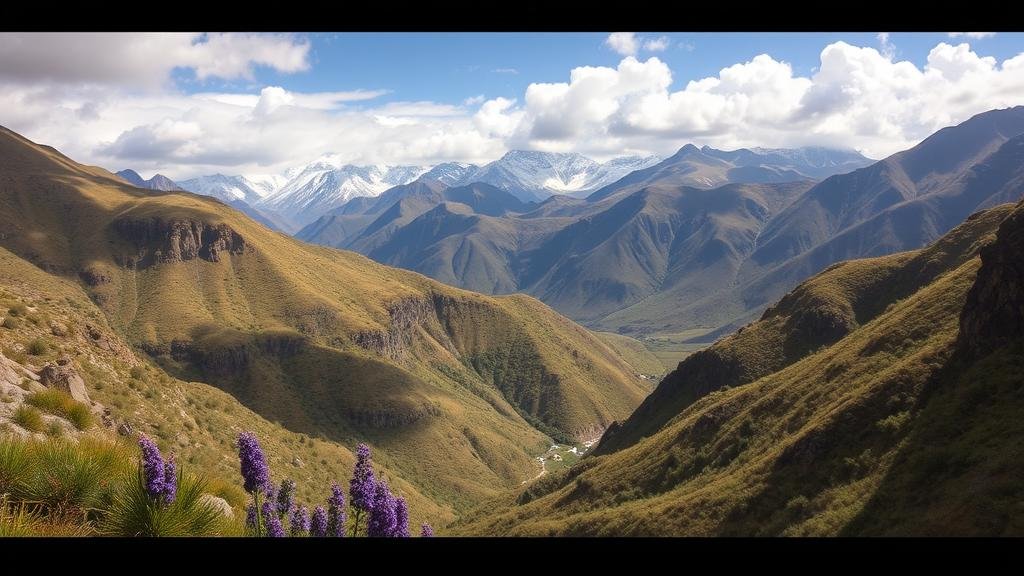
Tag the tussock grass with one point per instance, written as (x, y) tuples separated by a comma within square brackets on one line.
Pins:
[(60, 403), (28, 418)]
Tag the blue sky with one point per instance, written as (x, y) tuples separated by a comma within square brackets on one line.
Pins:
[(450, 67), (252, 103)]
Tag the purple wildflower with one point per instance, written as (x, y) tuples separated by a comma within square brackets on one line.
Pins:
[(152, 467), (362, 486), (270, 519), (336, 511), (170, 481), (318, 525), (299, 521), (254, 465), (382, 516), (426, 531), (285, 497), (401, 519), (250, 516)]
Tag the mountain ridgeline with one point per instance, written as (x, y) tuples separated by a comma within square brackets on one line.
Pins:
[(456, 391), (705, 239), (880, 397)]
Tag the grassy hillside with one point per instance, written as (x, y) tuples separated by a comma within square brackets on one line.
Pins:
[(899, 426), (454, 391), (635, 353), (194, 420)]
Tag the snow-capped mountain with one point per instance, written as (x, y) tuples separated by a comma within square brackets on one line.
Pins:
[(157, 182), (450, 173), (811, 161), (537, 175), (314, 189), (250, 189)]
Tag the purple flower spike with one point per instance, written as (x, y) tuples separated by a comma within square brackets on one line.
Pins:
[(318, 525), (382, 515), (336, 511), (170, 481), (426, 531), (401, 519), (285, 497), (271, 520), (253, 463), (152, 467), (362, 487), (299, 521)]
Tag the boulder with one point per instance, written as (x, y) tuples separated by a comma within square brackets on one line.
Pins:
[(58, 329), (220, 504), (62, 375)]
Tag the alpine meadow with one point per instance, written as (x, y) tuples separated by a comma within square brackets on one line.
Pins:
[(695, 284)]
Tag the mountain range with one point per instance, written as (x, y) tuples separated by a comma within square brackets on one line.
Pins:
[(879, 398), (301, 195), (455, 391), (865, 376), (679, 246)]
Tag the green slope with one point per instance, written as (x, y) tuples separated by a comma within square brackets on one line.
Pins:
[(454, 390), (905, 424)]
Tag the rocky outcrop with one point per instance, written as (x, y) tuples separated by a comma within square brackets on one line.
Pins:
[(219, 504), (993, 315), (405, 315), (63, 376), (177, 240), (231, 354)]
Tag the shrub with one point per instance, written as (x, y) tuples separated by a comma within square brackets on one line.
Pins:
[(135, 513), (15, 467), (70, 479), (28, 418), (137, 372), (60, 403), (11, 323), (18, 309), (38, 347)]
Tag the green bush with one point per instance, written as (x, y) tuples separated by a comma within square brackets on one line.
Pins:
[(60, 403), (38, 347), (15, 467), (135, 513), (11, 323), (28, 418), (137, 372), (18, 309)]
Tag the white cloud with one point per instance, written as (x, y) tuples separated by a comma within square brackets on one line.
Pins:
[(972, 35), (624, 43), (659, 44), (856, 97), (505, 71), (144, 59), (888, 50)]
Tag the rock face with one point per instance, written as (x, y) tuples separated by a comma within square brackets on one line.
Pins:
[(993, 315), (63, 376), (220, 504), (162, 241)]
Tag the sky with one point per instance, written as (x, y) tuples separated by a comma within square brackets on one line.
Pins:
[(240, 103)]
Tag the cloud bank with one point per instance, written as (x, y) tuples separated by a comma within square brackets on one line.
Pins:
[(124, 111)]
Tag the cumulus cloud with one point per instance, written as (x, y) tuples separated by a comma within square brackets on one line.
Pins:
[(624, 43), (857, 97), (972, 35), (887, 48), (659, 44), (144, 59)]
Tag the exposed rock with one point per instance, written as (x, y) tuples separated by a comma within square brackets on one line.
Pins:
[(125, 429), (993, 315), (219, 503), (297, 462), (162, 241), (62, 375), (58, 329), (94, 276)]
